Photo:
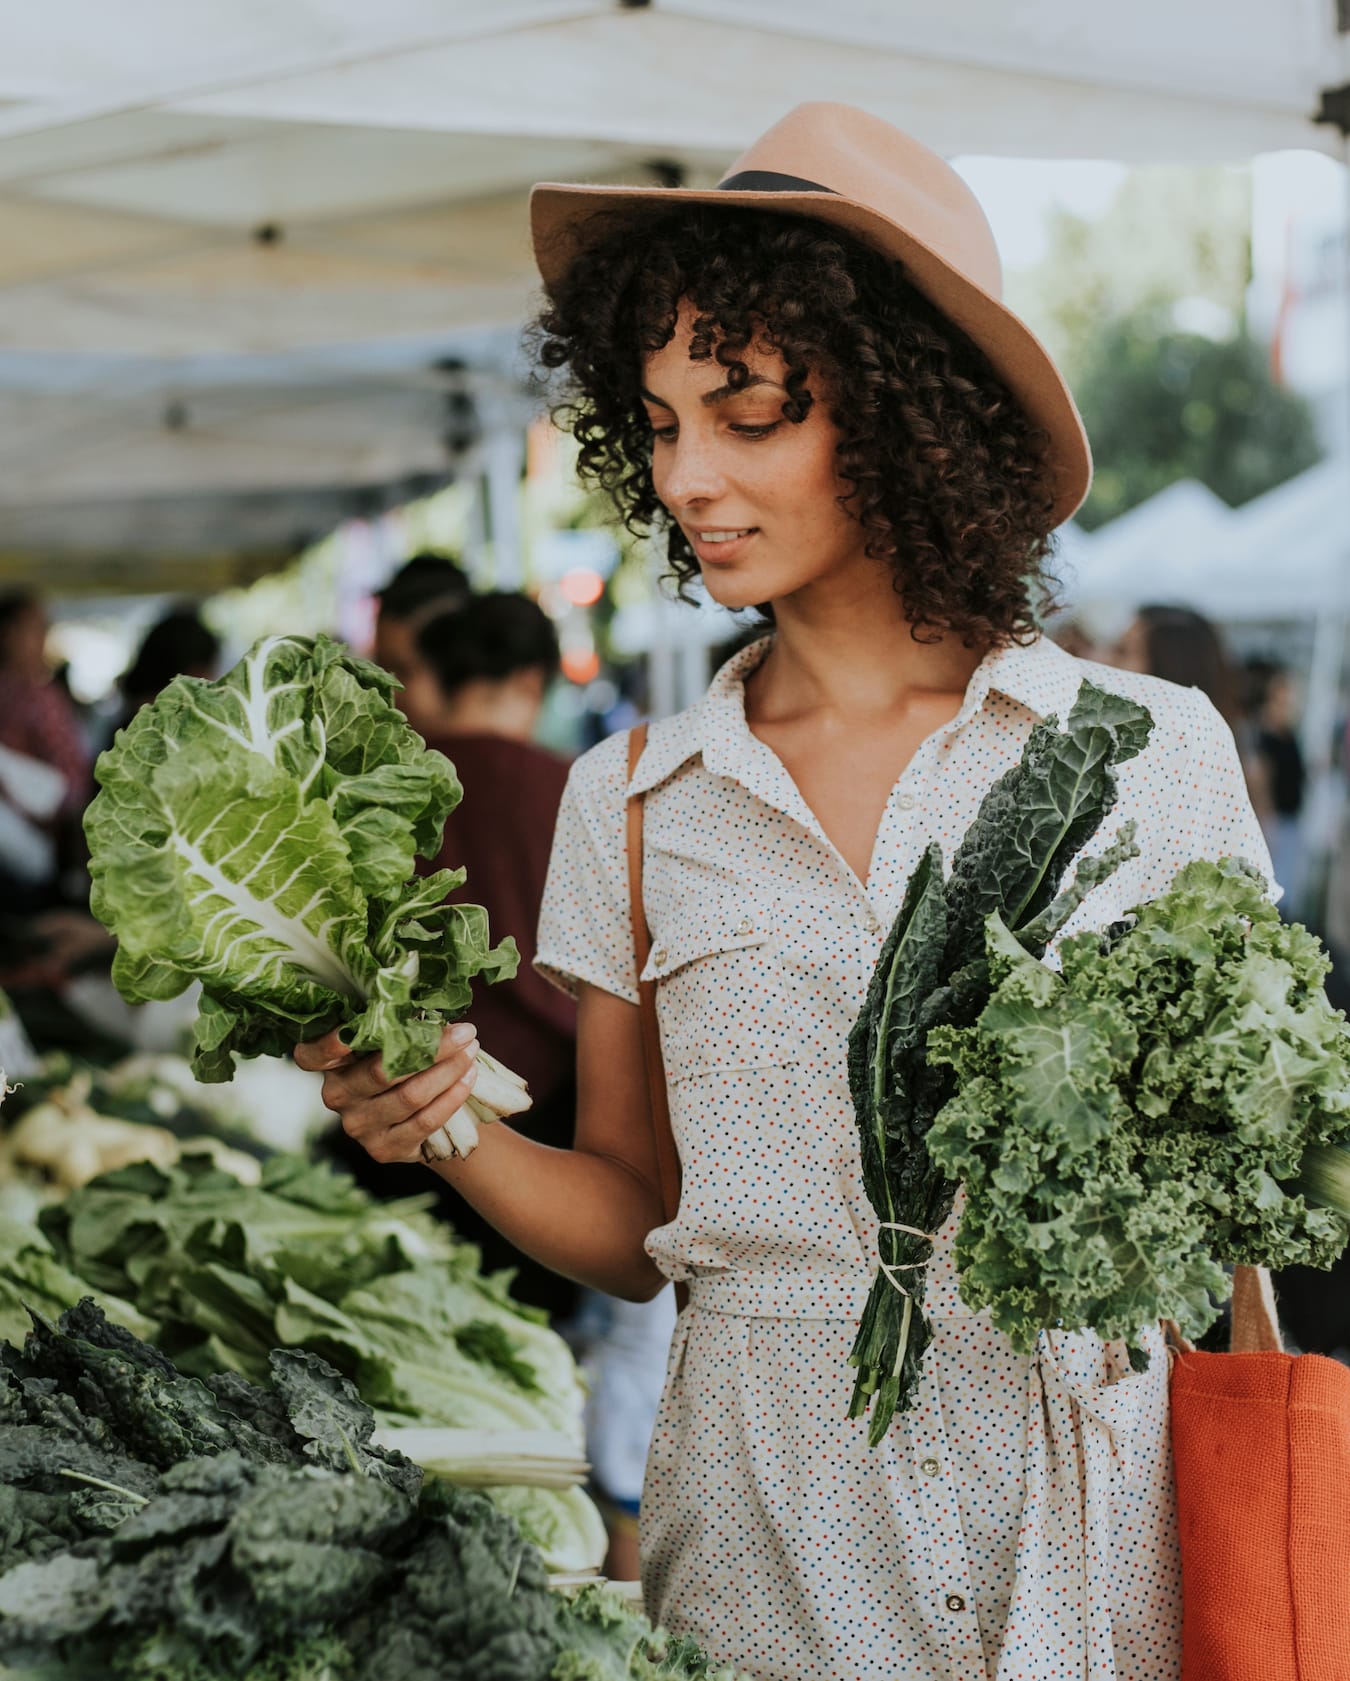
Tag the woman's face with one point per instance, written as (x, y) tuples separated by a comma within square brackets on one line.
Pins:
[(755, 494)]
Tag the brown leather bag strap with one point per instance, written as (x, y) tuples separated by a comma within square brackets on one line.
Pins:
[(1254, 1322), (667, 1157), (1256, 1325)]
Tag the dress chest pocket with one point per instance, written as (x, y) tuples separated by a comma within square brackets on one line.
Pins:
[(722, 998)]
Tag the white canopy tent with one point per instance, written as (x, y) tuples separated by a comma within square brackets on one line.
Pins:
[(1276, 557), (213, 213), (1284, 556)]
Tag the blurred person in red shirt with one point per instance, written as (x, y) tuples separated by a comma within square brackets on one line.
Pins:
[(37, 718), (39, 723)]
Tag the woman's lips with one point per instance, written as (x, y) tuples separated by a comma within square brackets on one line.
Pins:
[(721, 554)]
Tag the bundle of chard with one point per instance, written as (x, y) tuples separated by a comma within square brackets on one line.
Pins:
[(259, 834), (1177, 1098)]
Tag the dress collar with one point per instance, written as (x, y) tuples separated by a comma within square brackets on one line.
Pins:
[(1039, 676)]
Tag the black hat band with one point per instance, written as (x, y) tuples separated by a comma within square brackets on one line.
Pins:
[(769, 181)]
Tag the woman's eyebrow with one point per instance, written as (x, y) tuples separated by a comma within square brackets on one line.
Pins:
[(720, 395)]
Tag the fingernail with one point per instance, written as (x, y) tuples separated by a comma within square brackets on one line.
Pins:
[(462, 1032), (471, 1076)]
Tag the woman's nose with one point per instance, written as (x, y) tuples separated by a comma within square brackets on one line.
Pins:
[(693, 473)]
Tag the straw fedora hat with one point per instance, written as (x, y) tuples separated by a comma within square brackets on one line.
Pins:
[(849, 168)]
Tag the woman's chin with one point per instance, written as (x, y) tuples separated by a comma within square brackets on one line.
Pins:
[(731, 590)]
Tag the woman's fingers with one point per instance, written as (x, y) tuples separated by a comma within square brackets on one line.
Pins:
[(390, 1119), (403, 1141), (355, 1080), (317, 1056), (370, 1113)]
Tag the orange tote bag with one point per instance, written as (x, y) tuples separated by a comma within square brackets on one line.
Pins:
[(1261, 1445)]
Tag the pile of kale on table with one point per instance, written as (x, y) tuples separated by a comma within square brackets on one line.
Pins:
[(156, 1527)]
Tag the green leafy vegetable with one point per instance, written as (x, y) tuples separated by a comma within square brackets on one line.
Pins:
[(249, 1560), (223, 1274), (227, 1272), (1126, 1125), (259, 834), (933, 971)]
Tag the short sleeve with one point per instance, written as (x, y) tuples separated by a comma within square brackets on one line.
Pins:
[(1208, 811), (585, 923)]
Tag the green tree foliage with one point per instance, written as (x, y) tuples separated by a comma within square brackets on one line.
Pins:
[(1116, 299), (1162, 405)]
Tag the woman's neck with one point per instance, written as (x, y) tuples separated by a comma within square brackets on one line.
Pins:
[(850, 654)]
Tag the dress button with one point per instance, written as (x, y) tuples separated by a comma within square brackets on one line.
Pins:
[(955, 1602), (744, 926), (906, 802), (930, 1467), (659, 955)]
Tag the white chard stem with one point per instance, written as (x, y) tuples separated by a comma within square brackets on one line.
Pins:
[(497, 1092)]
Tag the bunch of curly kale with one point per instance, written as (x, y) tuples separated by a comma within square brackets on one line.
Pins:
[(1157, 1108), (158, 1528)]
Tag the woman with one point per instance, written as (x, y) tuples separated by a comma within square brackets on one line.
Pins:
[(806, 379)]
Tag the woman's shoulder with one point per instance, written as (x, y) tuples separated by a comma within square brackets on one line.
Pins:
[(1177, 711), (600, 775), (598, 778)]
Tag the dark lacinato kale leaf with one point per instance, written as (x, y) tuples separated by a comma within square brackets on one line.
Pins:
[(228, 1566), (230, 1556), (46, 1603), (34, 1525), (334, 1423), (153, 1412), (314, 1547), (262, 1408), (900, 1182), (1038, 816), (473, 1604)]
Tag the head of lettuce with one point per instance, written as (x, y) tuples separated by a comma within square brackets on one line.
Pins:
[(259, 834)]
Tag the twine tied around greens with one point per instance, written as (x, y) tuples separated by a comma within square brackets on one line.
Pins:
[(890, 1268)]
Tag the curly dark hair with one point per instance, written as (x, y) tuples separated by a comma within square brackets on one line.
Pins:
[(947, 476)]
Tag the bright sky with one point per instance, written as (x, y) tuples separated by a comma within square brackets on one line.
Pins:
[(1017, 193)]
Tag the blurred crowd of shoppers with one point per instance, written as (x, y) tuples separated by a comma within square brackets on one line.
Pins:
[(1258, 700)]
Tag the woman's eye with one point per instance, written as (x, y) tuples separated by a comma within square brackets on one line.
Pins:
[(757, 431), (665, 433)]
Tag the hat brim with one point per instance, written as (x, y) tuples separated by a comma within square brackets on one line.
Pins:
[(559, 218)]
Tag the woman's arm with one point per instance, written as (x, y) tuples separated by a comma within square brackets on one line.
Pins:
[(584, 1212)]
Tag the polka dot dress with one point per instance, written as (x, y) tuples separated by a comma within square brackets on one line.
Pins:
[(1018, 1524)]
